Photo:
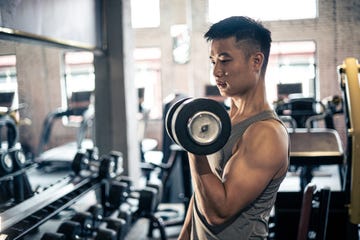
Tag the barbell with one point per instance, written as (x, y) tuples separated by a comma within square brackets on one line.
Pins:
[(199, 125)]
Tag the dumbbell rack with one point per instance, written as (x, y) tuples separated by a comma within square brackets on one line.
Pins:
[(20, 219)]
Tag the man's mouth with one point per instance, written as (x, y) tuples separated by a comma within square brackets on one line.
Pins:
[(221, 84)]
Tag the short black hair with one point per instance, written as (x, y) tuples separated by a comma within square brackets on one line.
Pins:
[(244, 29)]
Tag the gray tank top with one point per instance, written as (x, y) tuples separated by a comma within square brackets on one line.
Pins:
[(252, 221)]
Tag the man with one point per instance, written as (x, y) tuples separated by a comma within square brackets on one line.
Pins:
[(235, 188)]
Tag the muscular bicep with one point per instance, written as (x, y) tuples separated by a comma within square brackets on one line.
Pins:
[(257, 158)]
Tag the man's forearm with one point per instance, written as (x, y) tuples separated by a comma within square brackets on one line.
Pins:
[(186, 229)]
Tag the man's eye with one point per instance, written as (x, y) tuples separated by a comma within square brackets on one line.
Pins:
[(224, 60)]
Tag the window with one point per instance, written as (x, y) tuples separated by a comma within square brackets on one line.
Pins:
[(79, 82), (181, 43), (148, 80), (145, 13), (8, 81), (263, 10), (291, 63)]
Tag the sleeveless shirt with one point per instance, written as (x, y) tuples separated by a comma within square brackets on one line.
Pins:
[(252, 221)]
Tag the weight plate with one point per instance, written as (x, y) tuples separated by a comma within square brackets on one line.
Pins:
[(170, 114), (53, 236), (80, 162), (70, 229), (107, 167), (207, 114), (6, 163), (174, 119), (204, 127), (20, 158), (105, 234), (86, 221)]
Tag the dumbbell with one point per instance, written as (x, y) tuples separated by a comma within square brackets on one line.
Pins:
[(22, 186), (199, 125), (86, 222), (11, 160), (117, 195), (83, 159), (98, 220), (18, 157), (105, 166), (126, 213), (147, 202), (106, 234), (97, 212), (118, 159), (71, 230), (118, 225), (53, 236)]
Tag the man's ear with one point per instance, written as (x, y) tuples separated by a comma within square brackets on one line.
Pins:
[(258, 59)]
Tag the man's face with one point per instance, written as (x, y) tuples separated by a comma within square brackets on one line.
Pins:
[(234, 74)]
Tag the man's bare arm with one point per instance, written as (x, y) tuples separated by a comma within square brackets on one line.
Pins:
[(259, 156), (186, 229)]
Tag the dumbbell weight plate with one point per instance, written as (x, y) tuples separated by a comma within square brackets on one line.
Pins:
[(97, 212), (53, 236), (6, 163), (119, 225), (105, 234), (201, 126), (107, 167), (86, 221), (170, 114), (79, 162), (71, 229), (18, 157), (204, 127)]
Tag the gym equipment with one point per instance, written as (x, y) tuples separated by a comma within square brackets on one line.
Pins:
[(344, 208), (14, 182), (86, 222), (199, 125), (6, 161), (60, 157), (97, 213), (107, 166), (106, 234), (53, 236), (315, 205), (71, 229), (349, 83), (18, 157), (119, 226), (84, 159), (117, 195)]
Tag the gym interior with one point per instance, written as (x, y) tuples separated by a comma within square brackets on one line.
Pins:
[(86, 88)]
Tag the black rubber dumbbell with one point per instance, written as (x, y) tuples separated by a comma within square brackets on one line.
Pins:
[(147, 202), (84, 160), (71, 230), (97, 213), (200, 125), (126, 213), (86, 221), (105, 166), (119, 225), (53, 236), (106, 234), (117, 195)]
